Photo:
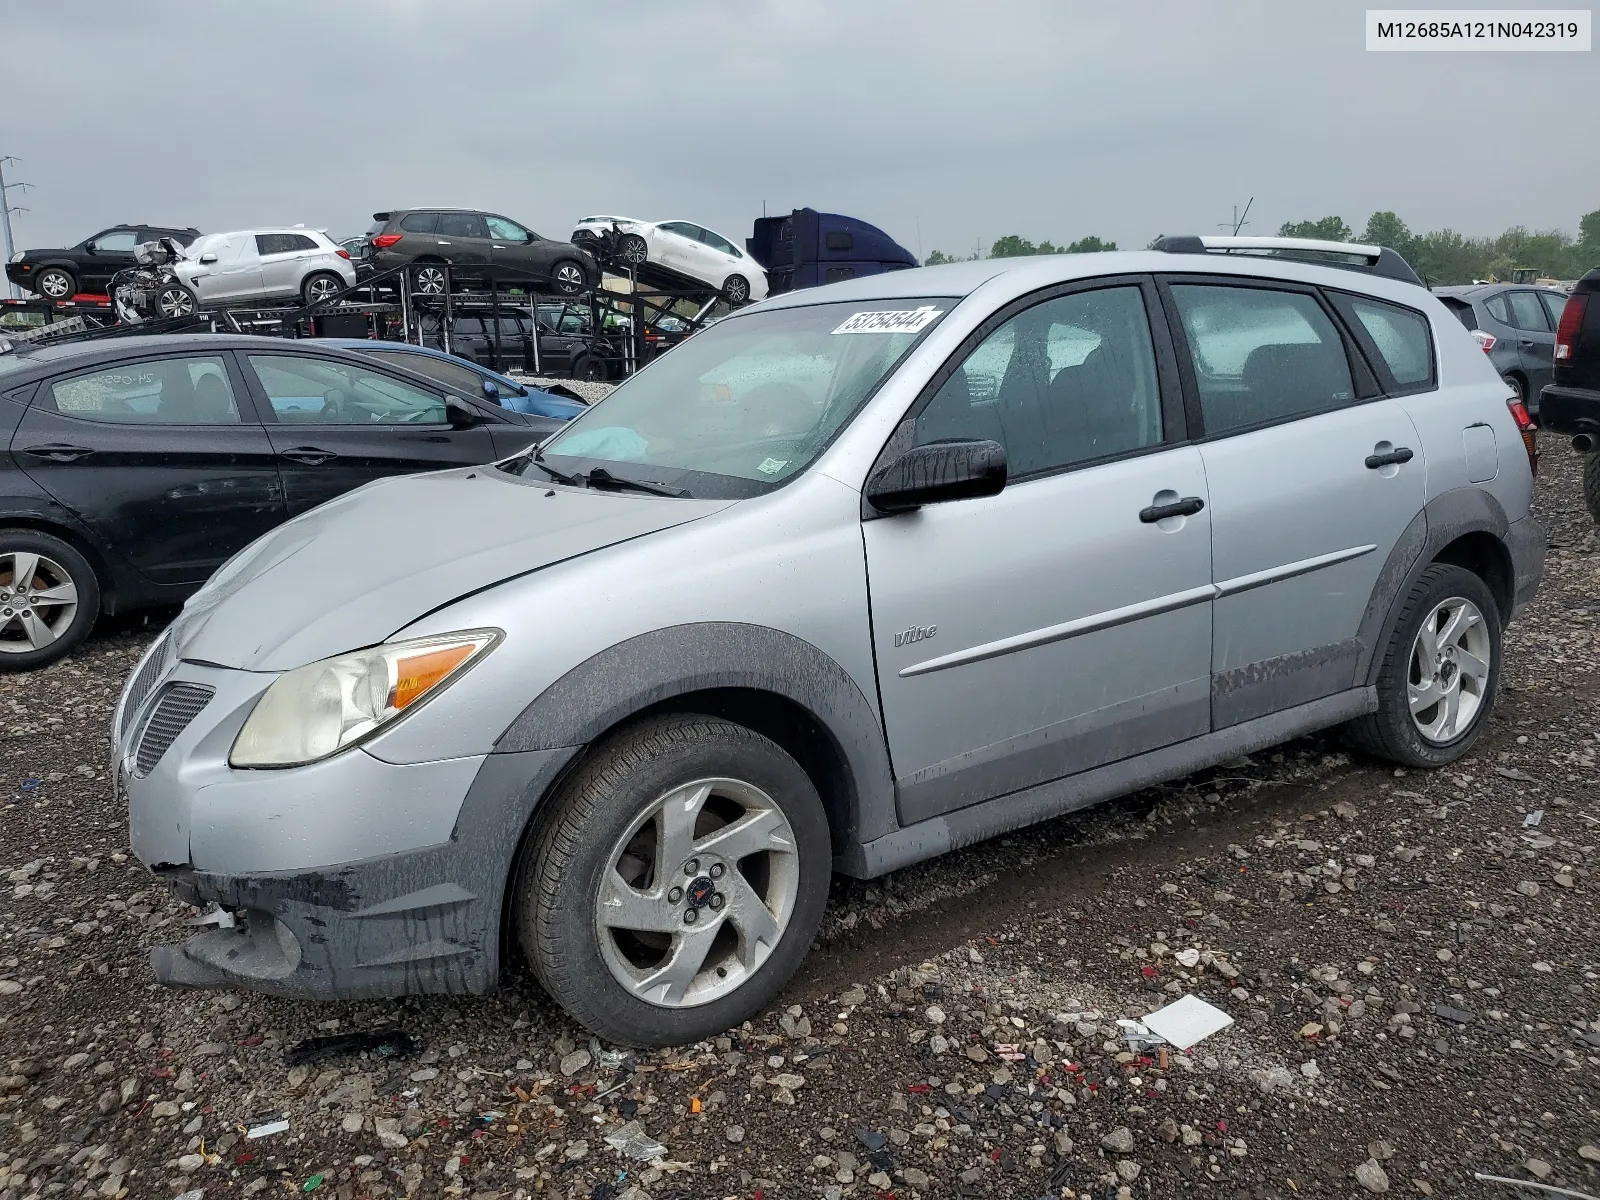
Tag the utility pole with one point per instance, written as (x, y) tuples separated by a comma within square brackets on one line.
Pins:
[(6, 209), (1238, 221)]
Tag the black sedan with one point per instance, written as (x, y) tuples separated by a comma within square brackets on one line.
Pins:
[(88, 266), (132, 468)]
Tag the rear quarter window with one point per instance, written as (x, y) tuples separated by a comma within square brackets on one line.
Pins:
[(1402, 337)]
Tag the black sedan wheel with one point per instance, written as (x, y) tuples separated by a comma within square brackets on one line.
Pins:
[(567, 276), (49, 599), (55, 284)]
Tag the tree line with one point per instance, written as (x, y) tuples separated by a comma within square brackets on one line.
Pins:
[(1440, 257)]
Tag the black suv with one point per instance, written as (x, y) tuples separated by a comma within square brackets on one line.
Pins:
[(88, 266), (1571, 404), (478, 245), (566, 342)]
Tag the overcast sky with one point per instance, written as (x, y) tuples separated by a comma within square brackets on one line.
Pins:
[(961, 119)]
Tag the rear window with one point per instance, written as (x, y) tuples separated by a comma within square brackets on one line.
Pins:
[(1462, 310)]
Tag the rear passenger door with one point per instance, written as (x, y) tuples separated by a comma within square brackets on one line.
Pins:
[(463, 239), (1313, 476), (280, 255), (1536, 340)]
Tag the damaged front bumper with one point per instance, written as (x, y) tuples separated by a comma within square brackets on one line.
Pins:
[(351, 877)]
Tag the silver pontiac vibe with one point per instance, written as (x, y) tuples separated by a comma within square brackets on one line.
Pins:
[(854, 577)]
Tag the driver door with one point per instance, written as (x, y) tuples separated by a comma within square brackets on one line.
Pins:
[(335, 426), (106, 254)]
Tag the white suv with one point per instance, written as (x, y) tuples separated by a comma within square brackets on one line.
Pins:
[(264, 264)]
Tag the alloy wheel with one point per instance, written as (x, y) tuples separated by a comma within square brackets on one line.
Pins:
[(38, 601), (55, 285), (634, 249), (174, 302), (569, 277), (430, 280), (1449, 672), (321, 288), (737, 290), (697, 893)]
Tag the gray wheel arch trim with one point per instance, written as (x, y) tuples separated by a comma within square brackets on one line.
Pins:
[(1442, 520), (643, 671)]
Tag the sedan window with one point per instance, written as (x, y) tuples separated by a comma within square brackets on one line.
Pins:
[(172, 391), (459, 379), (313, 390), (717, 242)]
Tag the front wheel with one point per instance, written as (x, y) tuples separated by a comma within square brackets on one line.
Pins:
[(586, 368), (1440, 672), (55, 284), (736, 290), (49, 599), (175, 300), (675, 881)]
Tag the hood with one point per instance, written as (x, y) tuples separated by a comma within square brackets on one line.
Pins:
[(354, 571)]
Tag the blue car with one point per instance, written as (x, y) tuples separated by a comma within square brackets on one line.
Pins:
[(467, 377)]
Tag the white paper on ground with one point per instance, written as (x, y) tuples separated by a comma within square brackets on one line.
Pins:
[(1187, 1021)]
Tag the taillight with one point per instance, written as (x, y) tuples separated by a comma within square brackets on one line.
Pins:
[(1567, 328), (1485, 340), (342, 253), (1526, 427), (384, 240)]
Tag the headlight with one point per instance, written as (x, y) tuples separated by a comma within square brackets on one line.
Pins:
[(324, 707), (19, 256)]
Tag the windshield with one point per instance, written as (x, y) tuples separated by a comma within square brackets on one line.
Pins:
[(741, 407)]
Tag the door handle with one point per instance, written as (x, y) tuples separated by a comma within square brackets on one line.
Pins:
[(311, 456), (1401, 454), (58, 451), (1187, 507), (1525, 343)]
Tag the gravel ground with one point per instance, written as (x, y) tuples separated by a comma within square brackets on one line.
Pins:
[(1410, 961)]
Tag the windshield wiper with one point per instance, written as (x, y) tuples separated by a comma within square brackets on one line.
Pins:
[(536, 457), (600, 477)]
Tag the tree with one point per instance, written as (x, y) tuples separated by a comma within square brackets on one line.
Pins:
[(1329, 229), (938, 258), (1089, 245), (1387, 229), (1012, 246)]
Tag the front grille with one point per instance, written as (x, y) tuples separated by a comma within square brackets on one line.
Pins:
[(150, 672), (179, 704)]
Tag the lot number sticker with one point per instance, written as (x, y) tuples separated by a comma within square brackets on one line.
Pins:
[(912, 320)]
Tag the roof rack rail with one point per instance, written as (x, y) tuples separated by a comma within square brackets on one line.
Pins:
[(1379, 260)]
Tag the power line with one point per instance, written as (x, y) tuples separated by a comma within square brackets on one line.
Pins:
[(1238, 221)]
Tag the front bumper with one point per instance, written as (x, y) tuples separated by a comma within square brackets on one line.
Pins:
[(348, 878)]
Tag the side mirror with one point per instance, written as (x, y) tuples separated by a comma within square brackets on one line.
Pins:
[(462, 415), (491, 389), (952, 470), (208, 259)]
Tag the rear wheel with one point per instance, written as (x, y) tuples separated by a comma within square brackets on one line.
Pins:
[(675, 881), (320, 287), (567, 277), (1440, 672), (1517, 385), (428, 277), (585, 367), (1591, 484), (736, 290), (54, 283), (49, 599)]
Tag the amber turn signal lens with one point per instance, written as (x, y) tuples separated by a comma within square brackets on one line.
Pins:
[(416, 673)]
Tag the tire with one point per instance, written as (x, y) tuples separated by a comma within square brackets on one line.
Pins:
[(633, 250), (174, 300), (1591, 484), (428, 277), (58, 570), (586, 368), (736, 290), (319, 286), (55, 284), (601, 816), (567, 277), (1393, 732), (1517, 385)]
